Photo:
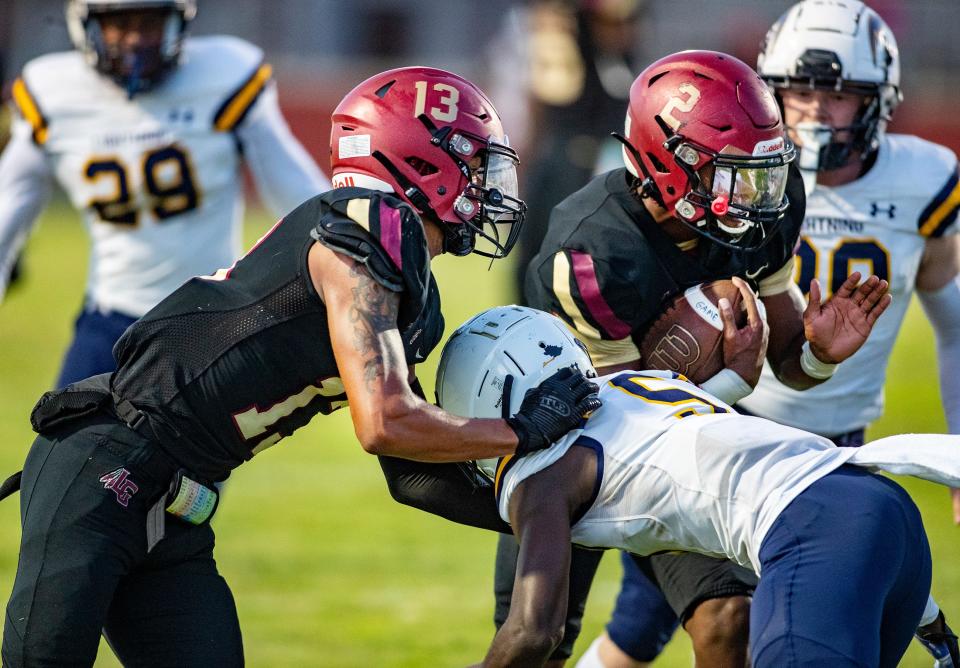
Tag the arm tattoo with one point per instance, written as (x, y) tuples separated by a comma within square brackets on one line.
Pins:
[(374, 310)]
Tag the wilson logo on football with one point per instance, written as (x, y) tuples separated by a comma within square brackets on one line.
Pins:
[(676, 351)]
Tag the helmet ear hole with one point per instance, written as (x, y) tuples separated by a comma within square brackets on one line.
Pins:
[(655, 161), (421, 166), (382, 91)]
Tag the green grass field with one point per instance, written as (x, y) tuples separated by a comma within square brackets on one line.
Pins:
[(327, 570)]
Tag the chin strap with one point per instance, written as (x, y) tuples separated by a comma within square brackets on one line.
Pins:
[(647, 187)]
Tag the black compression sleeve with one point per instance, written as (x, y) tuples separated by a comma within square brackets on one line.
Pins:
[(446, 490)]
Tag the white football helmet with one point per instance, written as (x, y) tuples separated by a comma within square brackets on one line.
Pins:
[(135, 70), (840, 45), (491, 361)]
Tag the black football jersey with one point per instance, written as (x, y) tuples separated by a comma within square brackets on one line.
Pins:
[(229, 364), (607, 268)]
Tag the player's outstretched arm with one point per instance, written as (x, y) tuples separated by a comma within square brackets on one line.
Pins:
[(541, 510), (838, 327), (388, 417), (785, 315), (25, 186), (939, 293), (807, 341), (283, 171)]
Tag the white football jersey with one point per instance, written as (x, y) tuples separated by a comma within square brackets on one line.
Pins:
[(157, 177), (876, 224), (680, 470)]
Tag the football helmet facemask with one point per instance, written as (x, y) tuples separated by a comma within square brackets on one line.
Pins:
[(491, 361), (139, 66), (704, 137), (835, 46), (435, 139)]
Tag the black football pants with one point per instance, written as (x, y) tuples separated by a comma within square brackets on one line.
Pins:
[(84, 565)]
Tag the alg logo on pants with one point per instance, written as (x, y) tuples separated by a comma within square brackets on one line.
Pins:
[(121, 484)]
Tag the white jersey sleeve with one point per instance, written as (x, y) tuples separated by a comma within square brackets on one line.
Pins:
[(284, 173), (680, 470), (876, 224), (25, 184), (157, 177)]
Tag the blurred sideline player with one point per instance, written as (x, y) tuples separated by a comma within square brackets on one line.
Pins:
[(335, 305), (561, 71), (875, 201), (664, 465), (707, 192), (145, 129)]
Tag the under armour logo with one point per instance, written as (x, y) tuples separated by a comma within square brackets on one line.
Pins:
[(119, 481), (876, 208), (180, 115)]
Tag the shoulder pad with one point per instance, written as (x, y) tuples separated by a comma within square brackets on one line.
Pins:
[(232, 54), (934, 175), (231, 71), (378, 230), (46, 85)]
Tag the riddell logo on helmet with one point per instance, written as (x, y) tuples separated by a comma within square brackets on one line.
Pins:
[(768, 146)]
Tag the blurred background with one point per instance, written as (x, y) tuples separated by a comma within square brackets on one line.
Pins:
[(326, 569), (557, 70)]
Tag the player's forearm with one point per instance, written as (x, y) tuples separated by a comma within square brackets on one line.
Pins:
[(450, 491), (942, 307), (789, 370), (24, 190), (284, 173), (411, 428), (785, 348)]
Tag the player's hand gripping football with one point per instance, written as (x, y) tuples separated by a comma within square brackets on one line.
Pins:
[(838, 327), (552, 409), (744, 347)]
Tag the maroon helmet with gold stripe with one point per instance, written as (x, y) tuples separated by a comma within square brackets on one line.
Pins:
[(435, 139)]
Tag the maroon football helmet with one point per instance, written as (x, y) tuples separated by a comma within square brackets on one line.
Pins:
[(696, 109), (434, 139)]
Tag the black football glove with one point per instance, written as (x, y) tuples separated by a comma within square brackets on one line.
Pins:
[(552, 409)]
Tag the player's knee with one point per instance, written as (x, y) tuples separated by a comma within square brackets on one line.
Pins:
[(721, 624)]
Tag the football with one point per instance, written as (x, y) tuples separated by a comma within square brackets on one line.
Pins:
[(688, 336)]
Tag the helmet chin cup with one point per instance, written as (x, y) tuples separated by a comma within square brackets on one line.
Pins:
[(813, 138), (720, 206)]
